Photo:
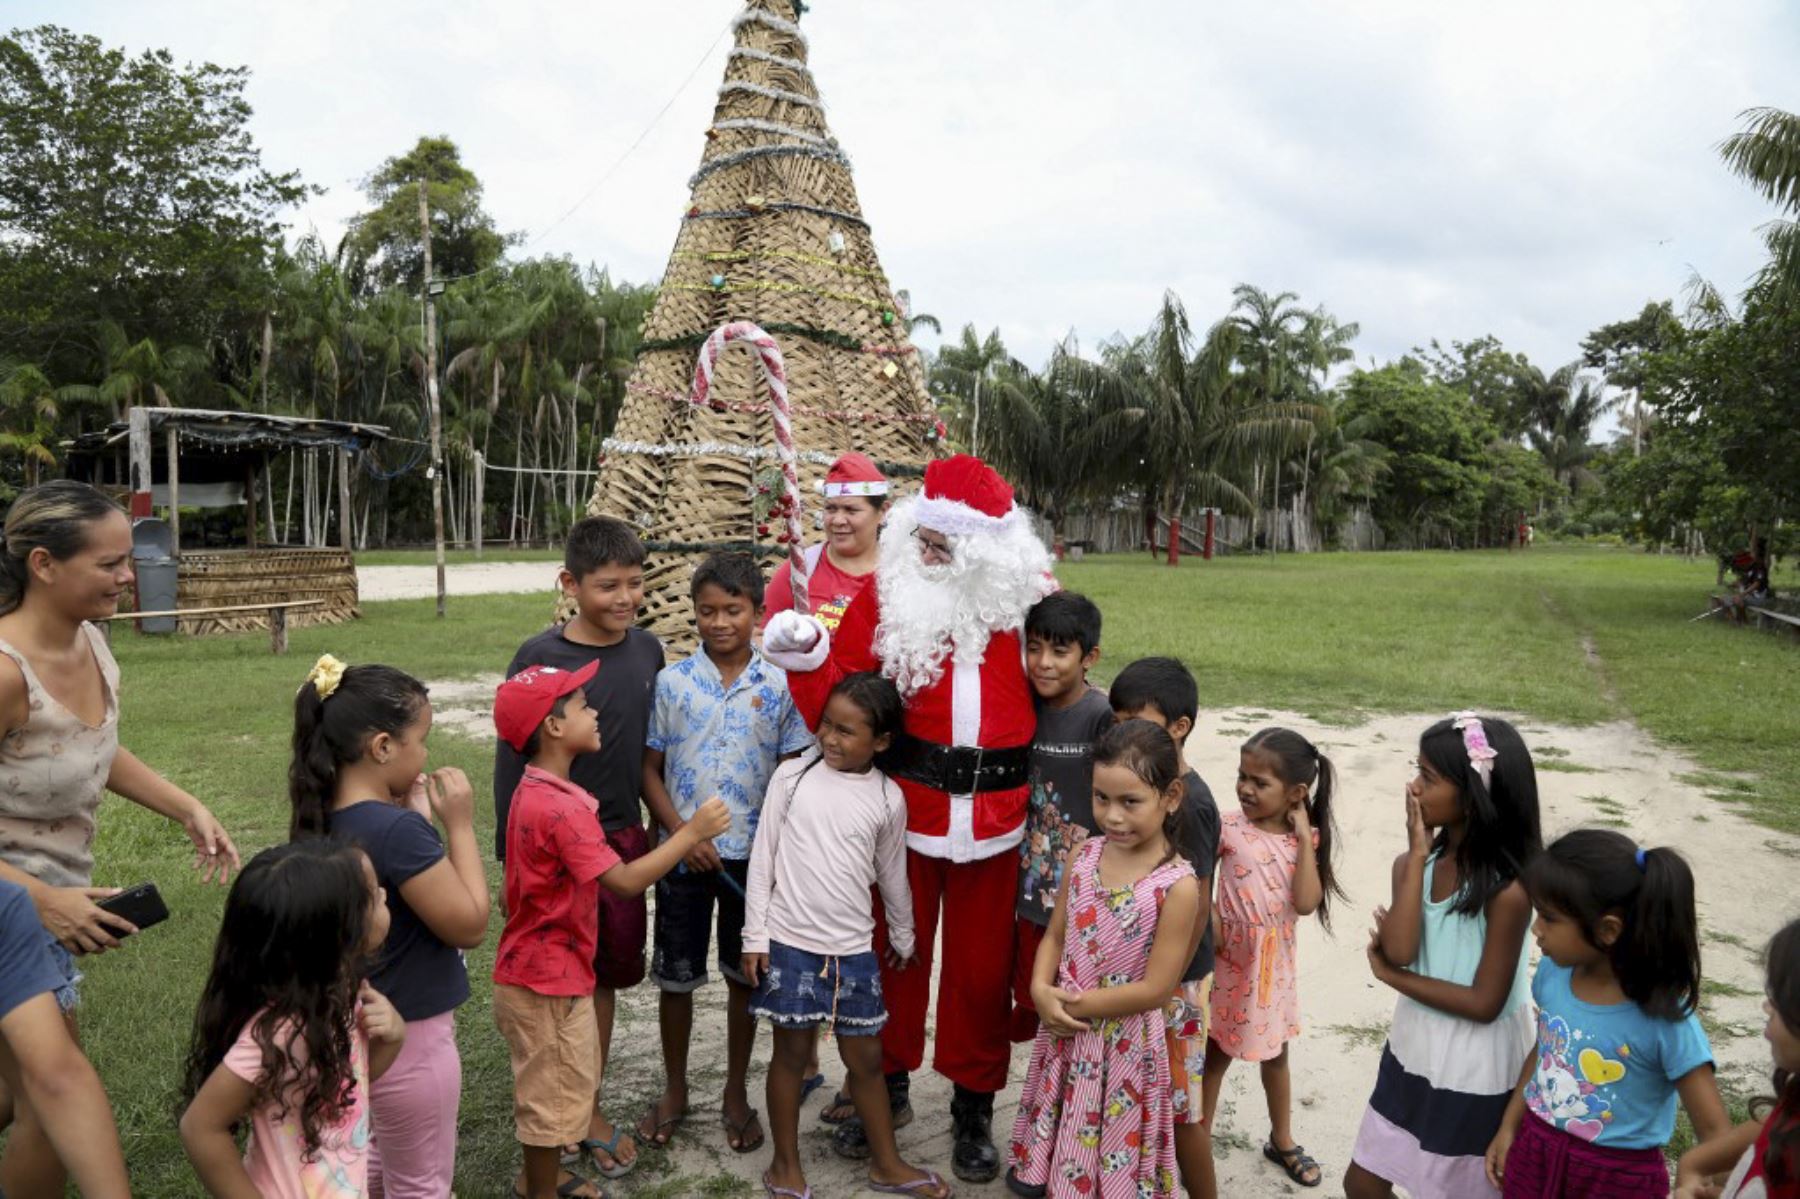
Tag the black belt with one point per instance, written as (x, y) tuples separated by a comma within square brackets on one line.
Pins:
[(957, 769)]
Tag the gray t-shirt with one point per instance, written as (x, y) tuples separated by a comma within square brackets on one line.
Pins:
[(621, 691), (1200, 832)]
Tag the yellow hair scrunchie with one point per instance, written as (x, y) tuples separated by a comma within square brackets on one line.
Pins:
[(325, 676)]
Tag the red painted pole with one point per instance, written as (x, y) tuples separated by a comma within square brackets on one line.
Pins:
[(1211, 516), (1175, 540)]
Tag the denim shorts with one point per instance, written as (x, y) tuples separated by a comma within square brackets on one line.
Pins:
[(803, 990), (66, 995), (685, 901)]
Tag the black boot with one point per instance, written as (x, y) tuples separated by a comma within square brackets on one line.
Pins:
[(849, 1140), (974, 1158)]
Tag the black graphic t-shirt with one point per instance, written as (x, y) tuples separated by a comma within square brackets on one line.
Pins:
[(1061, 814)]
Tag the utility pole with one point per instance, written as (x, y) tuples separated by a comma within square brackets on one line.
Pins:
[(436, 473)]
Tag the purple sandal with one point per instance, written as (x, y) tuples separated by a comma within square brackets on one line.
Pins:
[(775, 1192), (918, 1186)]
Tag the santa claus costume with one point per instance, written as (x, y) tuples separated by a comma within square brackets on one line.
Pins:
[(959, 568)]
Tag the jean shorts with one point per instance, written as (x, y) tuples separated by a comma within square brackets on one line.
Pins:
[(803, 990), (66, 995)]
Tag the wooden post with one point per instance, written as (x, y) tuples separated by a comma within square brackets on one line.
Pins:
[(278, 630), (436, 473), (268, 490), (480, 491), (343, 461), (139, 441), (174, 492), (250, 506)]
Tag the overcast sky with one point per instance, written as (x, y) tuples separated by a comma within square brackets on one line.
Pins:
[(1428, 169)]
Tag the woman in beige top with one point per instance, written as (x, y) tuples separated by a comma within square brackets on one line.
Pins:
[(65, 557)]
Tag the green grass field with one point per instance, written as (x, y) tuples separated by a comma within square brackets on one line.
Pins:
[(1563, 635)]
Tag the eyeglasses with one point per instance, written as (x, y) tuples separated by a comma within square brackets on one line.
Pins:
[(933, 545)]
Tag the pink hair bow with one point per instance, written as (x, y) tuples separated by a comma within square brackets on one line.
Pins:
[(1481, 754)]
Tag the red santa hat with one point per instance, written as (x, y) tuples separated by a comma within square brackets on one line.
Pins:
[(964, 495), (854, 474)]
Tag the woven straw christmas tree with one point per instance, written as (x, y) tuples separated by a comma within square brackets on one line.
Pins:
[(773, 235)]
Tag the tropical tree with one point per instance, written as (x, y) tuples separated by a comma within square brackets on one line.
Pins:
[(962, 370), (1767, 154)]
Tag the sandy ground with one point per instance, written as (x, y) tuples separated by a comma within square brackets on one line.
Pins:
[(1612, 774), (375, 583)]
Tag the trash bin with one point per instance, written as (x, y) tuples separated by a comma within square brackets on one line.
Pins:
[(153, 558)]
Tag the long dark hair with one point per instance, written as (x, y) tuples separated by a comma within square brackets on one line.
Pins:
[(55, 517), (1146, 749), (879, 701), (1592, 873), (1500, 818), (330, 734), (287, 964), (1782, 1163), (1298, 760)]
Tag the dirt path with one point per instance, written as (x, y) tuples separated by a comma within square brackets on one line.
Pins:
[(1610, 774), (376, 583)]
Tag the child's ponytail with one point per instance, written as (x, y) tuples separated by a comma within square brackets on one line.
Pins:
[(336, 712), (1592, 873), (1298, 761)]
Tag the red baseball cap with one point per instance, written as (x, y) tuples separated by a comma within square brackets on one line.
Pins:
[(522, 702)]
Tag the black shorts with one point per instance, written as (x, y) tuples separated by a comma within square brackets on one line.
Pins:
[(684, 926)]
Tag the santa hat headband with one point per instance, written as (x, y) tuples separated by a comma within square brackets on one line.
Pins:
[(854, 475), (963, 495)]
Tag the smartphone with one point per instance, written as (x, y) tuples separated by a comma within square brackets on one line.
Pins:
[(142, 905)]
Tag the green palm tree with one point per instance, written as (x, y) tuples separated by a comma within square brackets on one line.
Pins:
[(1767, 154), (1562, 435), (964, 370)]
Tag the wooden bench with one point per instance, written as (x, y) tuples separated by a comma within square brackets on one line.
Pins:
[(1773, 621), (278, 612)]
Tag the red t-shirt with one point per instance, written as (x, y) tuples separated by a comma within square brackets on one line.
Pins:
[(829, 589), (555, 855)]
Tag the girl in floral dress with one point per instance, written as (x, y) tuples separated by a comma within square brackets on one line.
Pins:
[(1274, 867), (1094, 1117)]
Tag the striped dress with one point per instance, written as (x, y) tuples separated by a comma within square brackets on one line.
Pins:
[(1445, 1081), (1094, 1118)]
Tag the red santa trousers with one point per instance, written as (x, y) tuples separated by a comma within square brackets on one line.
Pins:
[(974, 1010)]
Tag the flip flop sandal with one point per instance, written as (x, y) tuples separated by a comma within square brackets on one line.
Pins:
[(740, 1130), (918, 1186), (775, 1192), (809, 1085), (1295, 1161), (610, 1147), (661, 1131), (567, 1190), (827, 1114)]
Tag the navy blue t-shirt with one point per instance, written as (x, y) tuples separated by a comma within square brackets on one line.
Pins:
[(26, 967), (420, 975), (1200, 829)]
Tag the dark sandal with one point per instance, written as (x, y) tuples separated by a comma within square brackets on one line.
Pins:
[(590, 1146), (809, 1085), (567, 1190), (658, 1132), (740, 1129), (1295, 1161), (838, 1110)]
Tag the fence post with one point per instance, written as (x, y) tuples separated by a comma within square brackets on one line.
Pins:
[(1212, 516)]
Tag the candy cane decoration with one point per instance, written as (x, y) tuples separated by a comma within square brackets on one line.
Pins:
[(775, 373)]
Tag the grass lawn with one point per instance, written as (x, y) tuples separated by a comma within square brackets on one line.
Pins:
[(428, 557), (1563, 635)]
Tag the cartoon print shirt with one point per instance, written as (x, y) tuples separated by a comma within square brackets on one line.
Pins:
[(275, 1157), (1606, 1072), (1061, 809)]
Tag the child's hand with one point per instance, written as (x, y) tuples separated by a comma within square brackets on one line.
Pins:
[(379, 1019), (754, 966), (1300, 821), (1379, 966), (418, 797), (1418, 837), (895, 961), (703, 857), (1052, 1012), (1497, 1150), (451, 796), (712, 819)]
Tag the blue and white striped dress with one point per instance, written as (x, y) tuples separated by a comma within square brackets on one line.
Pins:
[(1445, 1081)]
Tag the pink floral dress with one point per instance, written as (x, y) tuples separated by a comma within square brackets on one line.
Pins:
[(1255, 1004), (1094, 1118)]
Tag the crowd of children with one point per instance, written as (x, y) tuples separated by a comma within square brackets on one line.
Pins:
[(1155, 938)]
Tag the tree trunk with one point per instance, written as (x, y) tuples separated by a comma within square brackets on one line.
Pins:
[(518, 474)]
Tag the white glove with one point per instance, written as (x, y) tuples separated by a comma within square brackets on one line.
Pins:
[(794, 641)]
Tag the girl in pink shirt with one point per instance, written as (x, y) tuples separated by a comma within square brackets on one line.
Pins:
[(289, 1034)]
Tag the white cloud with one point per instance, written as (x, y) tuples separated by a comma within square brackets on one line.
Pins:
[(1530, 169)]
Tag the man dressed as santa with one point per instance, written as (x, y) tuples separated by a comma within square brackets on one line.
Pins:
[(958, 568)]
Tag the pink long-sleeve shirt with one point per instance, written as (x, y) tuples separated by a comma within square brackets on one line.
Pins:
[(819, 847)]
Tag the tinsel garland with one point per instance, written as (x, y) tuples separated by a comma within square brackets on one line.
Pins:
[(749, 255), (830, 337), (774, 60), (737, 214), (751, 153), (776, 127), (768, 93), (783, 288), (755, 16), (753, 453), (798, 409)]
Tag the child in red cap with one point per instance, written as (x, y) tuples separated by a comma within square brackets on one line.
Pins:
[(557, 861)]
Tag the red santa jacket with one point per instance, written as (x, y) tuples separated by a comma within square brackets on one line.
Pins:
[(987, 704)]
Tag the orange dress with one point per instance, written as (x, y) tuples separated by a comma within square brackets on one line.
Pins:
[(1255, 1003)]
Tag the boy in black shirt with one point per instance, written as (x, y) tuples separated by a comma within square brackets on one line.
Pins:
[(1162, 691), (1062, 643), (603, 572)]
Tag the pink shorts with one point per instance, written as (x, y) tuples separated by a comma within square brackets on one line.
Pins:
[(414, 1110)]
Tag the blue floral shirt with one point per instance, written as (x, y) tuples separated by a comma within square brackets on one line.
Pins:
[(724, 742)]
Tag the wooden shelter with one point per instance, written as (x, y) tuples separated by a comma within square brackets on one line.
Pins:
[(221, 460), (772, 233)]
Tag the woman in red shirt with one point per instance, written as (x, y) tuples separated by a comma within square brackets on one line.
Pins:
[(839, 568)]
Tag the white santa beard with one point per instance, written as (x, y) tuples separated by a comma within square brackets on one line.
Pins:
[(930, 612)]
